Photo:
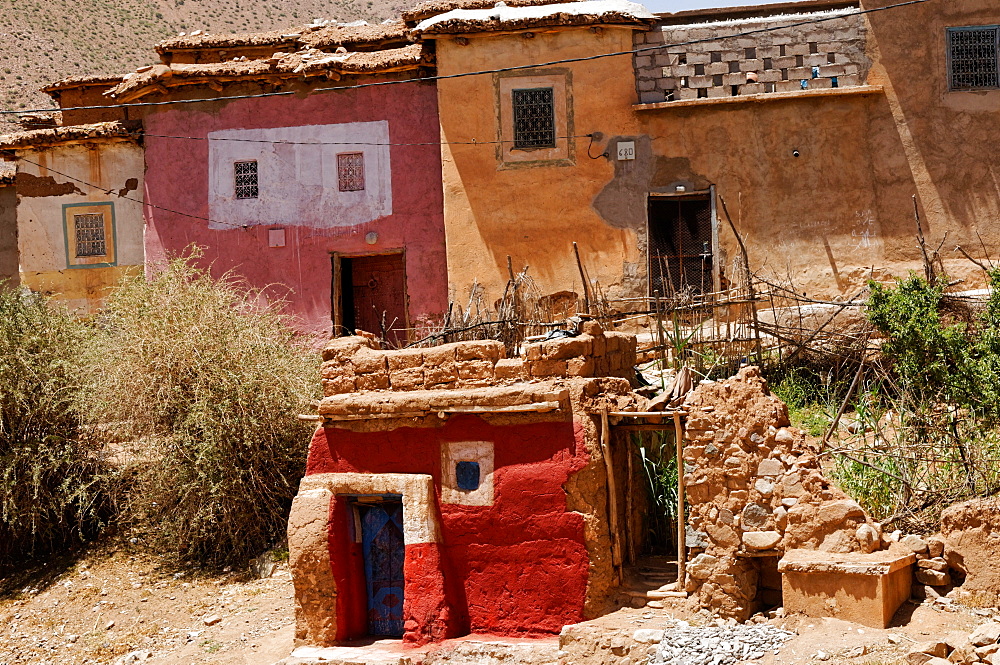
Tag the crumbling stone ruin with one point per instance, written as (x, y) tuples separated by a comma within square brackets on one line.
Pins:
[(756, 491)]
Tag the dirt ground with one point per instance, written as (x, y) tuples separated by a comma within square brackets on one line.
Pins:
[(113, 603), (109, 604)]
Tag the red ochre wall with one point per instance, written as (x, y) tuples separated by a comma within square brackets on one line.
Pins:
[(518, 567), (177, 199)]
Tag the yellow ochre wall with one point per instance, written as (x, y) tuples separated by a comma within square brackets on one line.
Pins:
[(828, 219), (532, 213), (57, 179)]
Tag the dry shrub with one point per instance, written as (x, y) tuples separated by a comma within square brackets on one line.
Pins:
[(201, 381), (53, 485)]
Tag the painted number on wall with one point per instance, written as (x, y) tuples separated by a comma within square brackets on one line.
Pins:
[(626, 150)]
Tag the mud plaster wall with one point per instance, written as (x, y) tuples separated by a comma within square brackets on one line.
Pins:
[(533, 212), (8, 236), (519, 565), (42, 194), (755, 488), (177, 178), (830, 54)]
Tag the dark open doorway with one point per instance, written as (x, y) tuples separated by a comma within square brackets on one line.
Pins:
[(383, 551), (681, 250), (370, 295)]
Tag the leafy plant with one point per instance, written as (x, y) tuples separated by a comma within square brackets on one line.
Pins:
[(660, 468)]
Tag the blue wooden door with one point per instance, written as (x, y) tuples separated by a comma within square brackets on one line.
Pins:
[(382, 542)]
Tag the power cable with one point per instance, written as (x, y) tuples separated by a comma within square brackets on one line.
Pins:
[(442, 77)]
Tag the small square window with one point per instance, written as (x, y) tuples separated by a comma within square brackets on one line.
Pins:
[(534, 118), (351, 171), (973, 58), (89, 233), (245, 174), (467, 475)]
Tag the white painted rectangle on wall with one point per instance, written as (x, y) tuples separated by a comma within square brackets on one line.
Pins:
[(297, 175)]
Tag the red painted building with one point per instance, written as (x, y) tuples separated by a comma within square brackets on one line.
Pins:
[(325, 195), (454, 491)]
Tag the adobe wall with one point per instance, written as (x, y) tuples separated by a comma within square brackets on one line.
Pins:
[(47, 201), (406, 217), (756, 489), (8, 236), (534, 213), (527, 553)]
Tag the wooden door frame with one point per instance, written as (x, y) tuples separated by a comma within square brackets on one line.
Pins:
[(697, 194), (336, 290)]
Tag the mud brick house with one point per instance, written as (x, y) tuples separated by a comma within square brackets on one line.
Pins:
[(78, 209), (452, 490), (816, 124), (329, 199)]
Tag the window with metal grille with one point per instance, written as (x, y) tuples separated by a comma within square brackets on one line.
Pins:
[(88, 229), (245, 174), (351, 171), (973, 58), (534, 118)]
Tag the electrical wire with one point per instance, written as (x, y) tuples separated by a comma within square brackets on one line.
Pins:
[(500, 70), (111, 192)]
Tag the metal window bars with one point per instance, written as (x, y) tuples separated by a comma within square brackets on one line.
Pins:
[(973, 58), (351, 171), (88, 230), (534, 118), (245, 174)]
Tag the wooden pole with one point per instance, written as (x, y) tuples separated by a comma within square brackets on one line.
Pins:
[(583, 278), (681, 549), (616, 550), (629, 535)]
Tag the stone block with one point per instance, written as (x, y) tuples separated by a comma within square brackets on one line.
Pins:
[(651, 97), (699, 59), (336, 368), (488, 349), (667, 84), (770, 467), (643, 61), (934, 649), (988, 633), (752, 89), (700, 82), (864, 588), (715, 93), (411, 378), (936, 563), (345, 347), (475, 370), (734, 79), (583, 366), (769, 76), (814, 60), (339, 385), (914, 543), (756, 541), (714, 68), (849, 81), (645, 85), (436, 375), (546, 368), (820, 84), (510, 369), (368, 361), (405, 359), (678, 70), (687, 93), (787, 86), (832, 70), (797, 49), (567, 347), (375, 381), (751, 65)]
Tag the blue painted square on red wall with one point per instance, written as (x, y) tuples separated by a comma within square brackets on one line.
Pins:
[(467, 475)]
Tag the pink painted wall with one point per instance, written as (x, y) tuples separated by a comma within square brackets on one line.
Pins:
[(301, 272), (517, 567)]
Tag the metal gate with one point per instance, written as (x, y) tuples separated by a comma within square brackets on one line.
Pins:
[(680, 245)]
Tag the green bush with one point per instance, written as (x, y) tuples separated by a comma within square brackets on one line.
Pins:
[(204, 382), (54, 483)]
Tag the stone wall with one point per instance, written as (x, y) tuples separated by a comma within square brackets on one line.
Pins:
[(829, 54), (355, 364), (756, 489)]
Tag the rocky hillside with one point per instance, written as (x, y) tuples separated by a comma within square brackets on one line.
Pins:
[(45, 40)]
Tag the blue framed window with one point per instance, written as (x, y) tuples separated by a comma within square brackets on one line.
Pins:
[(467, 475)]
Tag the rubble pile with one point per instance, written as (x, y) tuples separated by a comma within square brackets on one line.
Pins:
[(756, 489), (980, 646), (719, 645)]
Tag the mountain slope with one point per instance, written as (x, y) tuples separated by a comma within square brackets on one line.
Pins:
[(44, 40)]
